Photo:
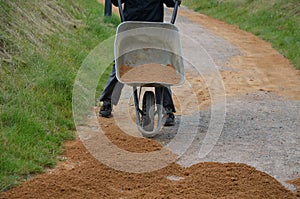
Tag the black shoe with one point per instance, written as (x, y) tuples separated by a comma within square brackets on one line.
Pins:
[(169, 118), (106, 109)]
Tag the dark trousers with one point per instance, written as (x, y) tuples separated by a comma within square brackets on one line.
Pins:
[(113, 88)]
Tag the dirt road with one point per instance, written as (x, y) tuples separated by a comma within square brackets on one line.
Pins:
[(254, 154)]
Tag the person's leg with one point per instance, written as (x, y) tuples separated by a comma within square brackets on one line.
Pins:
[(110, 85), (168, 104), (106, 96), (167, 99)]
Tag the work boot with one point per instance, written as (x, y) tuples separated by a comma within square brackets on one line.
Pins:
[(169, 117), (106, 109)]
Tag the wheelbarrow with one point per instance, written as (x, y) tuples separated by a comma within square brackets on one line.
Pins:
[(145, 49)]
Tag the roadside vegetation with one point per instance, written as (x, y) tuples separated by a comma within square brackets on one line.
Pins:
[(42, 45), (276, 21)]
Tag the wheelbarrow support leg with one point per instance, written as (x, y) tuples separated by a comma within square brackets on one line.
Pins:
[(160, 107), (136, 104)]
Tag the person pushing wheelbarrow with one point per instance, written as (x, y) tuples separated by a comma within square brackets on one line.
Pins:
[(148, 11)]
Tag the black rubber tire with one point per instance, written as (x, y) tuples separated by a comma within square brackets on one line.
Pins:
[(148, 111)]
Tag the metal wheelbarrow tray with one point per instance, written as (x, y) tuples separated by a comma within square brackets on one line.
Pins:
[(140, 43)]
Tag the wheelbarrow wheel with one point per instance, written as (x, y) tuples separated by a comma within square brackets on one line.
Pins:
[(148, 111)]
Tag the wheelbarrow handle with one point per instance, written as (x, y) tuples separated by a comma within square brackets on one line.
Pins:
[(177, 3), (121, 11)]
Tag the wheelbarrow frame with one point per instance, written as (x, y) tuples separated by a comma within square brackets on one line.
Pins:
[(132, 32)]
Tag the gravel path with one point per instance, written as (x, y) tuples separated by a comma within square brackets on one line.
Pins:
[(261, 129)]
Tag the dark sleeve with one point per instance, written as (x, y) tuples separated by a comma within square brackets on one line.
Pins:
[(169, 3), (115, 2)]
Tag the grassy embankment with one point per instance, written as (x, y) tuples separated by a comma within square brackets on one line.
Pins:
[(42, 45), (276, 21)]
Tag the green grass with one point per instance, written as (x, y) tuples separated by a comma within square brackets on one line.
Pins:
[(276, 21), (42, 45)]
